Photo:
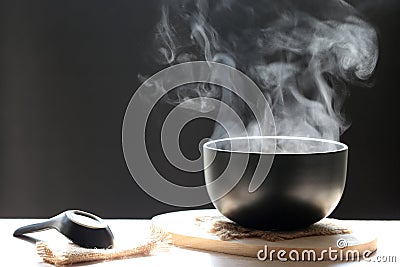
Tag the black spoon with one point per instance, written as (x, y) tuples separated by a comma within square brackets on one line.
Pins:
[(82, 228)]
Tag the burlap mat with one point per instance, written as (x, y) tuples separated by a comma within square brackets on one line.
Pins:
[(228, 230), (60, 253)]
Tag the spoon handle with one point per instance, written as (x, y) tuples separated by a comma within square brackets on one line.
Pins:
[(34, 228)]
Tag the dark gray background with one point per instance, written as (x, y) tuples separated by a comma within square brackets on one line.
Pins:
[(67, 72)]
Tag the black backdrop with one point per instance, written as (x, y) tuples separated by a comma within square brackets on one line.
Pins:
[(67, 72)]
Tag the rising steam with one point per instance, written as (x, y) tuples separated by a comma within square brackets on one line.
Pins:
[(302, 54)]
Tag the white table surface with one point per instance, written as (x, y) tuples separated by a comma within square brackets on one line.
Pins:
[(18, 252)]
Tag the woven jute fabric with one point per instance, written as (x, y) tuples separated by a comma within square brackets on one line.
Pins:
[(228, 230), (59, 253)]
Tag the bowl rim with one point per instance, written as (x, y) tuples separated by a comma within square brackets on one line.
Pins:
[(342, 146)]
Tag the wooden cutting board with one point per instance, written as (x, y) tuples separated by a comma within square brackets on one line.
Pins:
[(186, 233)]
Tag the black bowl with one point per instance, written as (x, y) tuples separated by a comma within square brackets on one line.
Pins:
[(302, 179)]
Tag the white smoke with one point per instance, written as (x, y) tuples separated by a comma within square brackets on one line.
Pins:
[(301, 54)]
